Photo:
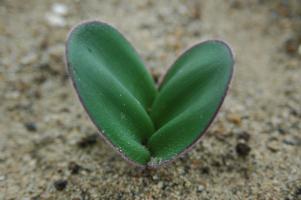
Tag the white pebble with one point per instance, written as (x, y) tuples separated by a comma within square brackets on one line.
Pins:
[(59, 9), (29, 59), (55, 20)]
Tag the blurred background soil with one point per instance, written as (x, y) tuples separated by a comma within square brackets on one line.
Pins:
[(50, 150)]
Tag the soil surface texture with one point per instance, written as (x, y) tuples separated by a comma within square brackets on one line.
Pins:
[(49, 149)]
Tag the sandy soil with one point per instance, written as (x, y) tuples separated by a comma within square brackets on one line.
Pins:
[(48, 146)]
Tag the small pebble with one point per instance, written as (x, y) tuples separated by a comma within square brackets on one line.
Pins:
[(55, 20), (56, 51), (88, 141), (2, 178), (59, 9), (244, 136), (242, 149), (291, 46), (156, 74), (29, 59), (282, 9), (293, 141), (195, 10), (31, 126), (234, 118), (200, 188), (205, 170), (155, 177), (236, 4), (74, 167), (60, 184), (273, 145), (281, 130), (160, 184), (298, 192)]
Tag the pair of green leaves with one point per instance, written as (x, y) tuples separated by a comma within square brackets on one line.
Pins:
[(148, 126)]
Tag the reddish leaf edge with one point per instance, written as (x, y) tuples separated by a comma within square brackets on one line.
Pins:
[(161, 80)]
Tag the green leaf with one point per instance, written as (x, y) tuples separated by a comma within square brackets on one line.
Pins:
[(189, 98), (148, 127), (113, 85)]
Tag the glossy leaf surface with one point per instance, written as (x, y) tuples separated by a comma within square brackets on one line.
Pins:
[(146, 126)]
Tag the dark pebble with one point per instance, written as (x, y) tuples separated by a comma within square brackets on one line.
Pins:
[(295, 141), (60, 184), (205, 170), (37, 197), (31, 126), (236, 4), (242, 149), (291, 46), (281, 130), (295, 113), (186, 169), (244, 136), (156, 75), (216, 163), (74, 167), (297, 194), (40, 79), (88, 141)]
